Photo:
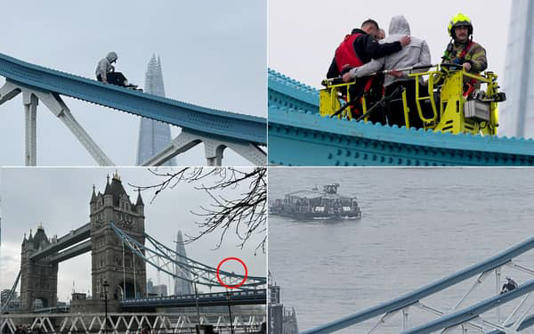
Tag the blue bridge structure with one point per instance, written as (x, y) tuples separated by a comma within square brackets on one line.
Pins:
[(250, 290), (244, 297), (462, 317), (121, 300), (217, 129), (299, 136)]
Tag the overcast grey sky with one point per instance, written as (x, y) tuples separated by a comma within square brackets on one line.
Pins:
[(59, 199), (213, 54), (303, 34)]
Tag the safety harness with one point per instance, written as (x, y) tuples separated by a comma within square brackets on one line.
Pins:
[(471, 84)]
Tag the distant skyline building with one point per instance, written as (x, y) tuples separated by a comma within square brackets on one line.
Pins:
[(181, 286), (156, 290), (154, 136), (517, 113)]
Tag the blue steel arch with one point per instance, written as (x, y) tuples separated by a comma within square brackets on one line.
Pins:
[(196, 118), (448, 320), (469, 313), (298, 135)]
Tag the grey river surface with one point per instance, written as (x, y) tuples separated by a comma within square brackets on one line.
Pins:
[(417, 226)]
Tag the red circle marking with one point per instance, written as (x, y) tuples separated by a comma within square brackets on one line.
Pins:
[(240, 283)]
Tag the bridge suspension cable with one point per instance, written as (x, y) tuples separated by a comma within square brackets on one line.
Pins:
[(167, 258)]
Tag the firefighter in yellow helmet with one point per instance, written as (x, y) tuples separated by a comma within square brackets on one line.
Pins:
[(462, 50)]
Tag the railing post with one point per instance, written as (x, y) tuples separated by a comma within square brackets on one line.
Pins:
[(405, 318), (497, 291)]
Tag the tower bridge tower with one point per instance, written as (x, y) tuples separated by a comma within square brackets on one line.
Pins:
[(110, 261), (38, 278)]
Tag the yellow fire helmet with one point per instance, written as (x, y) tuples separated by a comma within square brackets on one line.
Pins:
[(460, 20)]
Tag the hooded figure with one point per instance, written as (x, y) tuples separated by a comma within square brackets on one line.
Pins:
[(105, 72), (509, 285), (417, 53), (105, 66)]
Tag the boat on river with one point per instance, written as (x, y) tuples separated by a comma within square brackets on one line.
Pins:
[(316, 204)]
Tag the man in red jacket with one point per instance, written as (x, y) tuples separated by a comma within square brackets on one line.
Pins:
[(357, 49), (361, 46)]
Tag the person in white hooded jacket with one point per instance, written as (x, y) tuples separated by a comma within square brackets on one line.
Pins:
[(105, 72), (415, 54)]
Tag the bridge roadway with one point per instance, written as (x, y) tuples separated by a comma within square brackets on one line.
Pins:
[(245, 297), (248, 297), (227, 125), (432, 288), (72, 238)]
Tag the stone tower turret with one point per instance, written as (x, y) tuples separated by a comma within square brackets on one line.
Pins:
[(38, 280), (110, 261)]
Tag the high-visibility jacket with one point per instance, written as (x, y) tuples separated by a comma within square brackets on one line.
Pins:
[(345, 53)]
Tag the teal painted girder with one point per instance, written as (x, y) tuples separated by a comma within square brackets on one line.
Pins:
[(214, 123), (299, 136)]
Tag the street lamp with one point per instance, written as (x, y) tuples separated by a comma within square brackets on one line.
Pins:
[(105, 285), (196, 298), (229, 311)]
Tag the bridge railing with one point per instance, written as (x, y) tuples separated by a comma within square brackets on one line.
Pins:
[(120, 323)]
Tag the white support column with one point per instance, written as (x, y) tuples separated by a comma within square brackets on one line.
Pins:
[(405, 318), (214, 149), (60, 109), (30, 109), (56, 105), (214, 152)]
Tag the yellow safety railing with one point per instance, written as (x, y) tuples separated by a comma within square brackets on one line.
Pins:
[(335, 97), (449, 110)]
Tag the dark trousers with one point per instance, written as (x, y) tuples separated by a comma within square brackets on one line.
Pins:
[(114, 78), (395, 110), (372, 96)]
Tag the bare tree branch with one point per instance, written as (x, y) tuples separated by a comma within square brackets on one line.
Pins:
[(246, 214)]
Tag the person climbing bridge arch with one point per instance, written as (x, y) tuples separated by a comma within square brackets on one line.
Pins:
[(509, 285), (416, 54), (105, 72)]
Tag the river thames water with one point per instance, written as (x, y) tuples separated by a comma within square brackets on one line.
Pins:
[(417, 226)]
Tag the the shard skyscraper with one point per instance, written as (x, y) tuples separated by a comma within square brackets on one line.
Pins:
[(517, 113), (153, 135), (181, 287)]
